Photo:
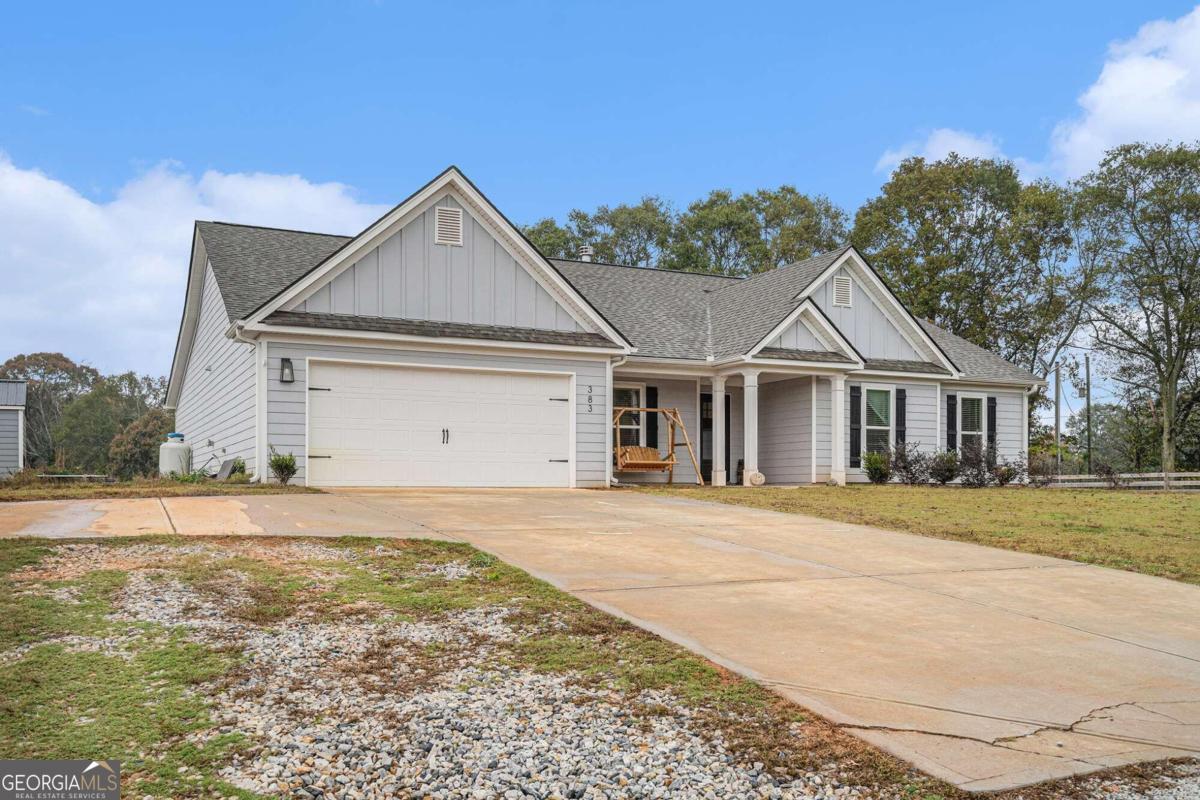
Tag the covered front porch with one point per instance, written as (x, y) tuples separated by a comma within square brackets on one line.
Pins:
[(753, 426)]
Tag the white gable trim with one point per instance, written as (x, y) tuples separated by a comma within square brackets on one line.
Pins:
[(891, 307), (449, 181), (198, 268), (811, 317)]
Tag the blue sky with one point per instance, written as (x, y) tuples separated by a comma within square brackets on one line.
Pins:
[(120, 125)]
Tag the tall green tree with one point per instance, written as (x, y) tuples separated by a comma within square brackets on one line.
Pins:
[(89, 423), (964, 243), (551, 239), (1139, 220), (53, 382), (795, 226), (719, 234)]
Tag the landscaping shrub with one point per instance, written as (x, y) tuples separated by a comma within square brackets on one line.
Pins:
[(975, 466), (878, 467), (134, 451), (283, 466), (1005, 471), (943, 467), (1042, 469), (1111, 475), (238, 468), (910, 464)]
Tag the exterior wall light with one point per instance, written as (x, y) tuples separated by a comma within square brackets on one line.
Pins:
[(286, 375)]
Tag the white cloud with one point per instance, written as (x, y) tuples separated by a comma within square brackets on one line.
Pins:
[(940, 143), (36, 111), (103, 282), (1148, 91)]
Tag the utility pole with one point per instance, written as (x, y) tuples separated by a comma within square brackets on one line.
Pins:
[(1057, 419), (1087, 372)]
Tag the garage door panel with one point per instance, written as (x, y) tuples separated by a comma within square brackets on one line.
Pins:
[(384, 427)]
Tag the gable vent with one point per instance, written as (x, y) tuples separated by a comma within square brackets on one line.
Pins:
[(448, 226), (842, 291)]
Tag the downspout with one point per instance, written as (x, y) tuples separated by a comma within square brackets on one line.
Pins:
[(260, 395)]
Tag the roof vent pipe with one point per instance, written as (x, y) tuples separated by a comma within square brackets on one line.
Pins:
[(585, 252)]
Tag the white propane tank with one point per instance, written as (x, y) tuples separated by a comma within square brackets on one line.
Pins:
[(174, 456)]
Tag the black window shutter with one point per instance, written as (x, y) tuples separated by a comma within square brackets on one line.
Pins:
[(901, 414), (951, 422), (991, 426), (856, 426), (652, 419)]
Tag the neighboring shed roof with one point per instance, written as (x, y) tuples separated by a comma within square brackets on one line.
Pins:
[(663, 313), (453, 330), (253, 264), (12, 393)]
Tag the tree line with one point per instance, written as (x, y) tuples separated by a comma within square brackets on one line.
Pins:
[(1031, 270), (80, 421)]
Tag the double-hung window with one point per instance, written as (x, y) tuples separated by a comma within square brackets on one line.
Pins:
[(631, 428), (971, 422), (878, 418)]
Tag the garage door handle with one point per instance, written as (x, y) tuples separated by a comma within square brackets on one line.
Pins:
[(320, 456), (560, 399), (319, 389), (560, 461)]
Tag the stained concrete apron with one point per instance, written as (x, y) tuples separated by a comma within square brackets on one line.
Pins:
[(987, 668)]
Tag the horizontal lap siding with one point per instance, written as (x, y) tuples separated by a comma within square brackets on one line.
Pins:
[(920, 418), (216, 402), (10, 444), (671, 394), (286, 402), (1010, 417), (824, 429), (785, 430)]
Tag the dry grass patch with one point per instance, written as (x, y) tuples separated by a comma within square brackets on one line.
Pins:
[(11, 492)]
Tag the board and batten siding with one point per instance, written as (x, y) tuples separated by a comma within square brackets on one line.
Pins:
[(785, 430), (1010, 411), (10, 441), (286, 425), (215, 412), (921, 418), (671, 394), (797, 336), (409, 277), (866, 326)]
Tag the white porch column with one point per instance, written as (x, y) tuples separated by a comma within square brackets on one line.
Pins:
[(750, 426), (718, 431), (838, 444)]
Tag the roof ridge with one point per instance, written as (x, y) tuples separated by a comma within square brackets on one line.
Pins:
[(663, 270), (272, 228)]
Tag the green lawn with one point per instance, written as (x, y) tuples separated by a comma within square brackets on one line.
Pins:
[(1157, 533)]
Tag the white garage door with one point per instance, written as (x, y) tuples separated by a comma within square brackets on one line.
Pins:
[(408, 426)]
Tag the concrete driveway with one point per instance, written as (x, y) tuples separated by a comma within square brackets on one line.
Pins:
[(987, 668)]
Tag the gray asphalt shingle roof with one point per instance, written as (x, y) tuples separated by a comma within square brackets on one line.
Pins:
[(453, 330), (253, 264), (975, 362), (663, 313), (12, 393)]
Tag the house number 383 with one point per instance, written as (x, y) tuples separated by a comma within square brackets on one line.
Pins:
[(589, 399)]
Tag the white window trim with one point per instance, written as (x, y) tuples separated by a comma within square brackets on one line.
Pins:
[(882, 387), (983, 422), (641, 387)]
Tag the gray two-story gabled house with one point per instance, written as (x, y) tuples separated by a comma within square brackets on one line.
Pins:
[(438, 347)]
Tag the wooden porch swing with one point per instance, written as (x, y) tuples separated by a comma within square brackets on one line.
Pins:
[(631, 458)]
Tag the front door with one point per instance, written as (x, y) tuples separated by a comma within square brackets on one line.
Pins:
[(706, 435)]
